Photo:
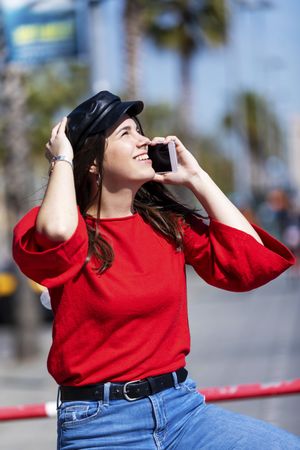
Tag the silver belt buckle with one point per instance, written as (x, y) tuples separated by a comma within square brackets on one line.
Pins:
[(130, 399)]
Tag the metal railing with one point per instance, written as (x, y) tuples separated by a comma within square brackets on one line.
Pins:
[(212, 394)]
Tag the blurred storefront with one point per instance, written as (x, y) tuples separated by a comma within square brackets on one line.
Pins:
[(37, 31)]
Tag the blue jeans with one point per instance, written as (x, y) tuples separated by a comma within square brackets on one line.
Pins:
[(174, 419)]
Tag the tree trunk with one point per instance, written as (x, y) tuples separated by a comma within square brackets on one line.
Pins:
[(133, 24), (18, 191), (186, 104)]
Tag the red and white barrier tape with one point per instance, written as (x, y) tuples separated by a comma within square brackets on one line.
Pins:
[(212, 394), (33, 411), (244, 391)]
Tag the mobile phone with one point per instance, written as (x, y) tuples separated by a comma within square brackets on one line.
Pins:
[(163, 156)]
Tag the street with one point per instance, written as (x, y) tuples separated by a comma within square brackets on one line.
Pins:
[(236, 338), (252, 337)]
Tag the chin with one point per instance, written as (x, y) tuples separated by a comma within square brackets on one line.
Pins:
[(141, 181), (151, 175), (147, 175)]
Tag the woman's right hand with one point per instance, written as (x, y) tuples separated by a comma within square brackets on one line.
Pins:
[(58, 143)]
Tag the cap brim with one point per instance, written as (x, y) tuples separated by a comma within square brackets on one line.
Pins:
[(131, 108)]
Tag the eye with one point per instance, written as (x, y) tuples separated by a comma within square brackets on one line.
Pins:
[(124, 133)]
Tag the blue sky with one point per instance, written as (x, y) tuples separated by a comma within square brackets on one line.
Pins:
[(263, 54)]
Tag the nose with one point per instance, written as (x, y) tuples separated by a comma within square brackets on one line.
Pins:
[(143, 141)]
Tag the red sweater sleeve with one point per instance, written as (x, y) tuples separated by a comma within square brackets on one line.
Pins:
[(53, 265), (232, 259)]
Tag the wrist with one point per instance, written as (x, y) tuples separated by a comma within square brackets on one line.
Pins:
[(197, 181), (60, 158)]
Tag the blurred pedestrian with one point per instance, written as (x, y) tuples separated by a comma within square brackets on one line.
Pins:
[(111, 243), (275, 212)]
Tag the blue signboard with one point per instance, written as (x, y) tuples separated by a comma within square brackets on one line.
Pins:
[(37, 31)]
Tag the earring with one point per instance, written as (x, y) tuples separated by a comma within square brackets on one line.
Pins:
[(98, 181)]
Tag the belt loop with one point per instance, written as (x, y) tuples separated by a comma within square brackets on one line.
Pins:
[(106, 393), (58, 397), (175, 379)]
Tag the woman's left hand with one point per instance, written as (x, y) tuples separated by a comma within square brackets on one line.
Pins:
[(188, 166)]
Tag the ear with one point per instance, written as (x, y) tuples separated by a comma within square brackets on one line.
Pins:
[(94, 168)]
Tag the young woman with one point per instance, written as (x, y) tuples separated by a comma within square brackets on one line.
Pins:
[(110, 243)]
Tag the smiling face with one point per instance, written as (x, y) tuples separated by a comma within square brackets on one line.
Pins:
[(126, 162)]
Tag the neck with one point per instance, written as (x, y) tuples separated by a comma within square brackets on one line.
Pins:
[(114, 204)]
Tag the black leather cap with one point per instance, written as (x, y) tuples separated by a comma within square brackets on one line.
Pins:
[(97, 114)]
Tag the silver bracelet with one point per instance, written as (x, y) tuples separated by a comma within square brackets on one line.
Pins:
[(58, 158)]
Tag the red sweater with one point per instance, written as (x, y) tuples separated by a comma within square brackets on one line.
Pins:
[(131, 321)]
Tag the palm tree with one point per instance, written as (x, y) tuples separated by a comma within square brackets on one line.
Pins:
[(138, 14), (256, 126), (27, 112), (132, 22), (188, 26), (185, 26), (18, 189)]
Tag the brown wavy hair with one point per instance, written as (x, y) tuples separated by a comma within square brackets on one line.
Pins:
[(153, 201)]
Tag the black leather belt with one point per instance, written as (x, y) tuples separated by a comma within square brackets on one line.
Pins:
[(132, 390)]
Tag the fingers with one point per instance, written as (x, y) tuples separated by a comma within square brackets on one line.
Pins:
[(48, 153), (164, 178), (159, 177), (62, 125), (48, 147), (59, 128), (166, 140), (157, 140), (173, 138), (58, 142), (54, 131)]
